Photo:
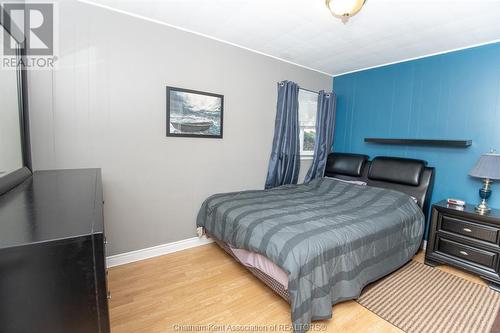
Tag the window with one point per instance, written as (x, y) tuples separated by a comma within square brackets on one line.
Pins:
[(308, 106)]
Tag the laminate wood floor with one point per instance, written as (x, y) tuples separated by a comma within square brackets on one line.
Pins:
[(204, 290)]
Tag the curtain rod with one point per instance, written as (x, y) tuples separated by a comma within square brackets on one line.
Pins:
[(309, 90), (282, 83), (328, 94)]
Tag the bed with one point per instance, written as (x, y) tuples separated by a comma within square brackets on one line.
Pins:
[(321, 243)]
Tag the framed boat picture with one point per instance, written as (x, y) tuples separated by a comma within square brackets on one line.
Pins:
[(194, 114)]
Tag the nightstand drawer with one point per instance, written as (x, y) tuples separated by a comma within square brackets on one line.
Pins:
[(468, 253), (470, 229)]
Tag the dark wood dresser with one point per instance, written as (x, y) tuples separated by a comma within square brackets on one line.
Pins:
[(467, 240), (52, 254)]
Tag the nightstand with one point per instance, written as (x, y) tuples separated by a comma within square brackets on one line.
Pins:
[(467, 240)]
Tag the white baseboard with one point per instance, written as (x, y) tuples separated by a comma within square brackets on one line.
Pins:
[(159, 250), (155, 251)]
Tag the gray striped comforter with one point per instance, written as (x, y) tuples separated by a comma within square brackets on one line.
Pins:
[(332, 238)]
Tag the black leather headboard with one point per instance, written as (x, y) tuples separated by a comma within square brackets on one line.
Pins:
[(406, 175), (396, 170), (346, 164)]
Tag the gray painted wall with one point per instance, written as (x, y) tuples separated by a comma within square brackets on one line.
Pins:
[(105, 107)]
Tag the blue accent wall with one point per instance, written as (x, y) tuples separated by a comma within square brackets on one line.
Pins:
[(449, 96)]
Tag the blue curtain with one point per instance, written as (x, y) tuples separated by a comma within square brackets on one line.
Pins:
[(325, 122), (284, 163)]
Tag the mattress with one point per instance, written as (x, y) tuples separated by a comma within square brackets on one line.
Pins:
[(330, 238)]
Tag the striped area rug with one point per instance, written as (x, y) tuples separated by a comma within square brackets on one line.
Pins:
[(421, 299)]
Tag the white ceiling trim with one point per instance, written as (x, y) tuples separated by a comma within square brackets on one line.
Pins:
[(420, 57), (92, 3)]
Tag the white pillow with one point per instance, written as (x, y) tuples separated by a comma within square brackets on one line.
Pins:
[(355, 182)]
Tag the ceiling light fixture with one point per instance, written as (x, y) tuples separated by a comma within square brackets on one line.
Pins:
[(344, 9)]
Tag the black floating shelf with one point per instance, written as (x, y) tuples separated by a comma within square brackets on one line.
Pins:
[(422, 142)]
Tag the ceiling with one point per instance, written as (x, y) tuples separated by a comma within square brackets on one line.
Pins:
[(305, 33)]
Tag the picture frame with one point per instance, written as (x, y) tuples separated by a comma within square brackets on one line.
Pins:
[(194, 113)]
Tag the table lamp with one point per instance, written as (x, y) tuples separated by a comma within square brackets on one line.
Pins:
[(488, 169)]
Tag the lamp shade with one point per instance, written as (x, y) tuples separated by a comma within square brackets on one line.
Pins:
[(488, 166)]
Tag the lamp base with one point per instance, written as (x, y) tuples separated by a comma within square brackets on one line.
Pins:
[(484, 193), (483, 208)]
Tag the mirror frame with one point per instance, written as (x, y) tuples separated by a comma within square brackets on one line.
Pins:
[(11, 180)]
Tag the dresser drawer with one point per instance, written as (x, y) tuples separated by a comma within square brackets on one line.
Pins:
[(469, 229), (465, 252)]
